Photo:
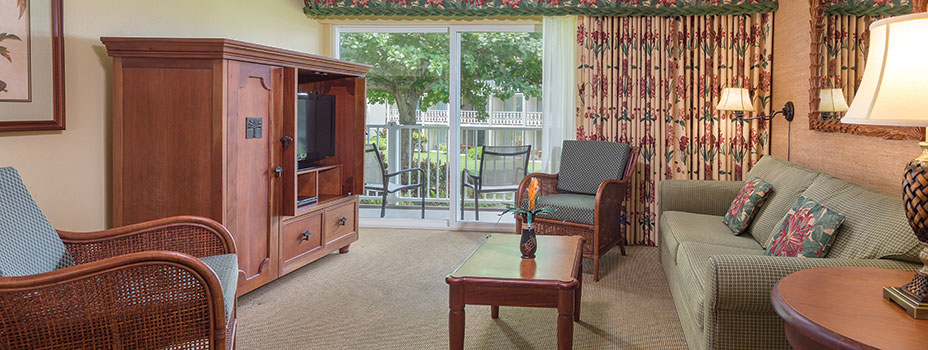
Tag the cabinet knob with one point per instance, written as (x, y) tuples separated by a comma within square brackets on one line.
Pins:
[(305, 235), (343, 221), (286, 140), (278, 171)]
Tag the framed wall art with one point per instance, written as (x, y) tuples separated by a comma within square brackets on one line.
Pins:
[(31, 65)]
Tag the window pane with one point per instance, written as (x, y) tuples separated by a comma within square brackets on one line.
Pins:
[(501, 74), (407, 120)]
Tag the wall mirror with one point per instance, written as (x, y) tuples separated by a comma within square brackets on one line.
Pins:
[(840, 40)]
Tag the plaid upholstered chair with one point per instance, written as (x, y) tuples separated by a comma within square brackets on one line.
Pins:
[(164, 284), (589, 195)]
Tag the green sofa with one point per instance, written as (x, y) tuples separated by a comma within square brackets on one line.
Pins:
[(721, 282)]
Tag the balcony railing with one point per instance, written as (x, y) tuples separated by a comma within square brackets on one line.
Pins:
[(472, 118), (427, 148)]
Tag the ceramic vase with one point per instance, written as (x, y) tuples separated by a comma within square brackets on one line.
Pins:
[(528, 244)]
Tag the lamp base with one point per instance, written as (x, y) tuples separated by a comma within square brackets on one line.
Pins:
[(914, 308)]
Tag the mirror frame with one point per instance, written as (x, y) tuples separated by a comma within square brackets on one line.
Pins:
[(818, 21)]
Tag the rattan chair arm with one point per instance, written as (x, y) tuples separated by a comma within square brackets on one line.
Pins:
[(548, 185), (184, 269), (193, 235)]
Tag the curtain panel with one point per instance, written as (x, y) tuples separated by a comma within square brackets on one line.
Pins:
[(654, 82), (844, 48)]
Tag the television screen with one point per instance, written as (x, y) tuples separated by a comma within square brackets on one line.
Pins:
[(315, 128)]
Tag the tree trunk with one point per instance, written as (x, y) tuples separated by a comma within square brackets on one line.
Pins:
[(406, 105)]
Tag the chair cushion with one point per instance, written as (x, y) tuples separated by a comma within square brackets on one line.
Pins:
[(29, 244), (693, 267), (226, 269), (875, 227), (577, 208), (677, 227), (789, 181), (746, 203), (808, 230), (586, 164)]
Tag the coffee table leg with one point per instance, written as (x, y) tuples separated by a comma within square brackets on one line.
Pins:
[(456, 317), (565, 318), (494, 311), (577, 296)]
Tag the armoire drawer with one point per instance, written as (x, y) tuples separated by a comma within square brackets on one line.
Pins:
[(340, 221), (300, 237)]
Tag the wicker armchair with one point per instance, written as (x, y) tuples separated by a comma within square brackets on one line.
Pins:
[(589, 195), (167, 283)]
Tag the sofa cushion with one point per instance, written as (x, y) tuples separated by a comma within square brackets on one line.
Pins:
[(586, 164), (875, 227), (745, 204), (788, 181), (677, 227), (29, 245), (578, 208), (226, 269), (807, 230), (693, 267)]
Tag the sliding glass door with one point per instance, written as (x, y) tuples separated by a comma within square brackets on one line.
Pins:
[(440, 99)]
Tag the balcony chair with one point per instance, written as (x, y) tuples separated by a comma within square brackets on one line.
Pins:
[(502, 168), (589, 195), (163, 284), (376, 178)]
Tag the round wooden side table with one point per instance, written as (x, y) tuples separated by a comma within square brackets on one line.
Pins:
[(843, 308)]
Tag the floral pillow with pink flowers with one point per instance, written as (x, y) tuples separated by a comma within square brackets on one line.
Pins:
[(744, 206), (808, 230)]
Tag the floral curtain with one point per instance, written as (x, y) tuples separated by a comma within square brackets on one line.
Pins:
[(845, 48), (654, 82)]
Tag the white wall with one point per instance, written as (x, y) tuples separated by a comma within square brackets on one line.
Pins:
[(69, 172)]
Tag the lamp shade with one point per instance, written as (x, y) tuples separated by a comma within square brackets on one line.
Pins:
[(832, 100), (736, 99), (895, 81)]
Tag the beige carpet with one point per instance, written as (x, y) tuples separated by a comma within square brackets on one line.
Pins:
[(389, 292)]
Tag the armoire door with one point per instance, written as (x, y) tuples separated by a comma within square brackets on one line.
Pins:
[(253, 160)]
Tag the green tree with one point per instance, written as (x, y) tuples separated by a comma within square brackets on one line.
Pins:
[(411, 70)]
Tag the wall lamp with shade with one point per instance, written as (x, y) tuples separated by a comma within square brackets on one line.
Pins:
[(892, 92), (831, 101), (739, 101)]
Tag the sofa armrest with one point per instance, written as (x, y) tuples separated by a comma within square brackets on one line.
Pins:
[(743, 282), (698, 196)]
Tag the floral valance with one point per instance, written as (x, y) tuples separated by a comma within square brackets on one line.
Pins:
[(522, 8), (872, 8)]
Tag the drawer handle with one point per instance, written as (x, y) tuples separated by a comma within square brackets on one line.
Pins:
[(305, 235), (343, 221)]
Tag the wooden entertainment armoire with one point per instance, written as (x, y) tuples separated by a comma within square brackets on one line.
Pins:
[(206, 127)]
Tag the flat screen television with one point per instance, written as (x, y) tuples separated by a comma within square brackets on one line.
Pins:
[(315, 128)]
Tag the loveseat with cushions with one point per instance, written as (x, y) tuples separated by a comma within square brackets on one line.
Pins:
[(721, 282)]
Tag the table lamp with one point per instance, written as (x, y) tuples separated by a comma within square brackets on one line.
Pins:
[(892, 92), (831, 101)]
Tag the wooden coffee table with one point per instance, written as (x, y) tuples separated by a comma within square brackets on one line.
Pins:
[(496, 275), (844, 308)]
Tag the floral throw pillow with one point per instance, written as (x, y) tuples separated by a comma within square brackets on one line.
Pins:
[(745, 204), (808, 230)]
